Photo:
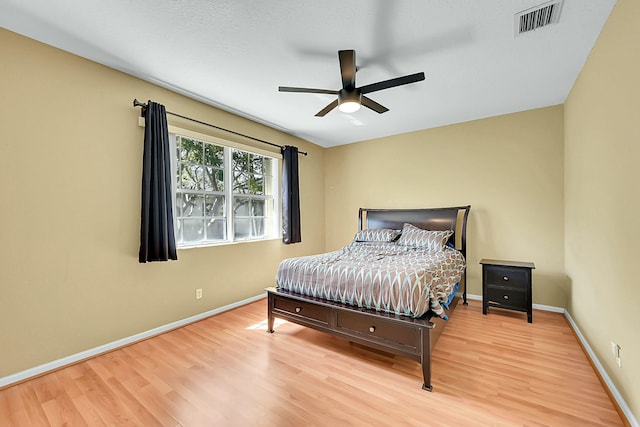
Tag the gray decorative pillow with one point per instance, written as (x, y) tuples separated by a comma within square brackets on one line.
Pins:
[(376, 235), (427, 239)]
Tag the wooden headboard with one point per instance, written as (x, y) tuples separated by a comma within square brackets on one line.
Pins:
[(453, 218)]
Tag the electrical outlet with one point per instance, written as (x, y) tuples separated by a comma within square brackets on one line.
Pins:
[(619, 357), (614, 348), (199, 293)]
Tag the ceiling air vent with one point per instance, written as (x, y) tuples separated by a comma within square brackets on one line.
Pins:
[(538, 17)]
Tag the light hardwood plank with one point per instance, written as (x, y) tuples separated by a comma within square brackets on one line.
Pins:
[(494, 370)]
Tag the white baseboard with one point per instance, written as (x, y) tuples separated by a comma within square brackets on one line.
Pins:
[(612, 387), (603, 373), (74, 358)]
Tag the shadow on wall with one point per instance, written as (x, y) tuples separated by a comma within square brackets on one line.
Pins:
[(480, 236), (488, 238), (566, 286)]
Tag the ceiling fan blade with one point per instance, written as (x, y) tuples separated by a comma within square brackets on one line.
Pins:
[(326, 109), (386, 84), (348, 68), (306, 90), (370, 103)]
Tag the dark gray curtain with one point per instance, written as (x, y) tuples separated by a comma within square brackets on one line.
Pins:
[(290, 196), (157, 239)]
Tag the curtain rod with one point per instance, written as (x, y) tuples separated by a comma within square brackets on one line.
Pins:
[(137, 103)]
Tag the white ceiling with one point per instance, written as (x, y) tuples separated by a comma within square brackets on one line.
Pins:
[(234, 54)]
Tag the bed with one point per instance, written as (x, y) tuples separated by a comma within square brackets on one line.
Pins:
[(378, 291)]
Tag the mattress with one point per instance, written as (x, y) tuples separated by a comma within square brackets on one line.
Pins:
[(386, 277)]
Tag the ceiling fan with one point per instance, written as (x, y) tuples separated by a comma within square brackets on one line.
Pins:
[(350, 97)]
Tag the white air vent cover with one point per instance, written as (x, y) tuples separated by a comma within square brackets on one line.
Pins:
[(538, 17)]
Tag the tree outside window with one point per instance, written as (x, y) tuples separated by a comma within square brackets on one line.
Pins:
[(223, 194)]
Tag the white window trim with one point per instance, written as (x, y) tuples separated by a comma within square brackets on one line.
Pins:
[(176, 130)]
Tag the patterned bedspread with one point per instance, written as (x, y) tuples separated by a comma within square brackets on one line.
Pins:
[(381, 276)]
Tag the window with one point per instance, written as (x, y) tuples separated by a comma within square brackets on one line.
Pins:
[(223, 194)]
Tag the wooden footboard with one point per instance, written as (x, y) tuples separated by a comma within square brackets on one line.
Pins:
[(399, 335)]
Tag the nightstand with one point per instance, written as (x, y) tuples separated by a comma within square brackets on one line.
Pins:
[(507, 284)]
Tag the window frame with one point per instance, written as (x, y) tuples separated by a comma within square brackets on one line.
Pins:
[(228, 193)]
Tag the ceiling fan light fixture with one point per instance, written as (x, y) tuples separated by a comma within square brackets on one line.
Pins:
[(349, 102), (349, 107)]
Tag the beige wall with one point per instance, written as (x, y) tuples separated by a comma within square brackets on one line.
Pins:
[(556, 186), (70, 173), (508, 168), (602, 201)]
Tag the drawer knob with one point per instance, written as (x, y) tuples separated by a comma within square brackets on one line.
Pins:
[(505, 296), (505, 278), (298, 309), (372, 329)]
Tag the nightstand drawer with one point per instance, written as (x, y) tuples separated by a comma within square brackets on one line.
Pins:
[(507, 297), (507, 277)]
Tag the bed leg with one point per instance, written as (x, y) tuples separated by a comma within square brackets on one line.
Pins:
[(270, 323), (270, 318), (426, 359), (464, 294)]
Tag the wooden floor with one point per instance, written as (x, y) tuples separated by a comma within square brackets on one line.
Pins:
[(494, 370)]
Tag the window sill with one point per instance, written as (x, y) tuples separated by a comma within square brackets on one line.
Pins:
[(237, 242)]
